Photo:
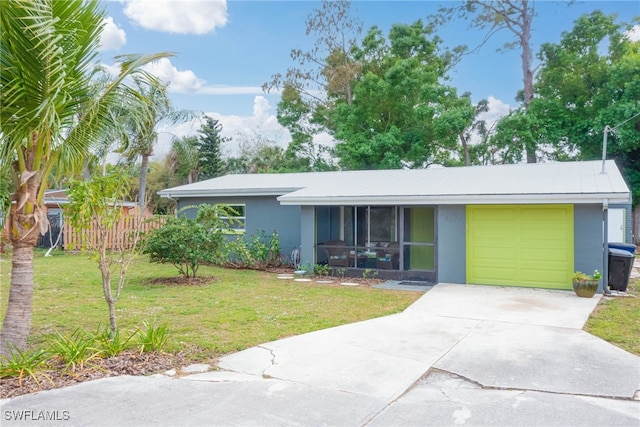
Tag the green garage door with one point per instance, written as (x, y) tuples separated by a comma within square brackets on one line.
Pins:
[(520, 245)]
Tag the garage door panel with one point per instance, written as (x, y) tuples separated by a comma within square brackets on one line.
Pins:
[(544, 255), (520, 245), (544, 278), (497, 232), (498, 276), (495, 253)]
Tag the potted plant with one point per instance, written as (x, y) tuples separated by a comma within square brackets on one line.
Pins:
[(586, 285)]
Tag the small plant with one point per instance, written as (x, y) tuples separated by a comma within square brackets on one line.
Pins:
[(28, 363), (369, 274), (74, 350), (259, 251), (152, 338), (308, 267), (341, 272), (321, 269), (110, 345), (580, 276)]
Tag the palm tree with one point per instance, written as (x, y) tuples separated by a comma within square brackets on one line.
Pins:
[(144, 135), (184, 159), (49, 118)]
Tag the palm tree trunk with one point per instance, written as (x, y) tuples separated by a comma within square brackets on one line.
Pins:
[(17, 320), (144, 164)]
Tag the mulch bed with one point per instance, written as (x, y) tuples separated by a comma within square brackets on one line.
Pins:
[(182, 281), (128, 363)]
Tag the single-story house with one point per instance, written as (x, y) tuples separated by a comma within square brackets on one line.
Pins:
[(518, 225)]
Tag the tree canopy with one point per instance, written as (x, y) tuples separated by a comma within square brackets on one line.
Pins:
[(586, 82), (401, 113)]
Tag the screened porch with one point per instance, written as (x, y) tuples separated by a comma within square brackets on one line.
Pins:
[(392, 241)]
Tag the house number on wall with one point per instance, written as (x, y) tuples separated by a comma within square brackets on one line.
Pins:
[(451, 218)]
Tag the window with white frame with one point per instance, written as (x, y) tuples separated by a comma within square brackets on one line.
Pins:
[(235, 220)]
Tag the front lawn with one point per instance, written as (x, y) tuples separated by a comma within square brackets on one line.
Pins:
[(617, 320), (235, 310)]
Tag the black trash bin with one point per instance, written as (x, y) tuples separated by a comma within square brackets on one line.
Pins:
[(624, 246), (620, 265)]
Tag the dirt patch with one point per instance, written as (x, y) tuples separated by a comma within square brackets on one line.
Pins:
[(182, 281)]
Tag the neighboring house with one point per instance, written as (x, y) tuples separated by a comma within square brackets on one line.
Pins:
[(519, 225)]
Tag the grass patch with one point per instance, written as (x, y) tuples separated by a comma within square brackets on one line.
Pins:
[(617, 320), (234, 310)]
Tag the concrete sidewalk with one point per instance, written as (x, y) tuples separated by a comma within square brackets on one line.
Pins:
[(462, 354)]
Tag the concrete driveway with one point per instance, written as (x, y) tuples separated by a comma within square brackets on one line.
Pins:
[(460, 355)]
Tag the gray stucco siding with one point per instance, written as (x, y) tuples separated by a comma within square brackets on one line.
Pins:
[(262, 213), (587, 239), (307, 237), (451, 246)]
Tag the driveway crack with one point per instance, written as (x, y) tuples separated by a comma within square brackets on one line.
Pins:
[(273, 361)]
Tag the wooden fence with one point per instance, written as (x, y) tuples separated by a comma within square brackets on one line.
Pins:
[(119, 237)]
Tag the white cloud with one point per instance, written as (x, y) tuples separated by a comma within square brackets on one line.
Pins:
[(112, 36), (497, 109), (261, 124), (178, 16), (186, 81), (179, 81), (634, 34)]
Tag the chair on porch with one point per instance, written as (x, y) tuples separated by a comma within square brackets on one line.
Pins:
[(388, 258), (336, 252)]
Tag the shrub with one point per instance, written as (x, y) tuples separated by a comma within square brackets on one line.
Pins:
[(187, 243), (259, 251)]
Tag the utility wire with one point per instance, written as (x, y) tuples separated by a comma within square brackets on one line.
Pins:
[(620, 124)]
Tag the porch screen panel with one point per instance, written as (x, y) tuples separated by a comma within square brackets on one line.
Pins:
[(419, 239)]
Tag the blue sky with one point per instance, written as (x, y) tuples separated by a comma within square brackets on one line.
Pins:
[(226, 50)]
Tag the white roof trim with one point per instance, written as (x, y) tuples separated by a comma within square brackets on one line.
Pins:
[(568, 182), (476, 199), (230, 192)]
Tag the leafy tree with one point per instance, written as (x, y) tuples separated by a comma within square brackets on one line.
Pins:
[(96, 206), (210, 141), (515, 16), (302, 153), (49, 117), (185, 242), (589, 81), (323, 74), (260, 154), (478, 127), (400, 113), (184, 159)]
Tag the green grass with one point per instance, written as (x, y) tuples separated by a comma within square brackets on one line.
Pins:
[(617, 320), (241, 309)]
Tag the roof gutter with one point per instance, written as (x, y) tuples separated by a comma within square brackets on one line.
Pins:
[(484, 199), (226, 193)]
